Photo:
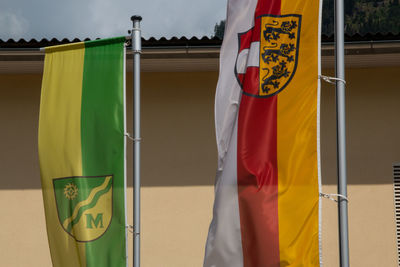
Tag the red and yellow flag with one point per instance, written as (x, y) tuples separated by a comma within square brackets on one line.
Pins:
[(266, 210)]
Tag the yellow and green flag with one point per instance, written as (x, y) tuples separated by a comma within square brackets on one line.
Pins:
[(82, 152)]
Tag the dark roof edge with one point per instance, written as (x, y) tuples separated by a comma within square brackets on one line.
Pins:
[(184, 41)]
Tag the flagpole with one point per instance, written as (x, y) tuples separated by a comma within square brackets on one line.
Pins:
[(341, 134), (136, 49)]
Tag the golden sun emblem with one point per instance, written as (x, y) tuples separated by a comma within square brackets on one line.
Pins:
[(71, 191)]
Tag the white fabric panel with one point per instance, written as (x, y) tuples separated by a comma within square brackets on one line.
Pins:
[(254, 56), (224, 242), (241, 64), (224, 245), (240, 15), (248, 58)]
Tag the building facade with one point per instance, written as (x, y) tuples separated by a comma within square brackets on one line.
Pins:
[(179, 153)]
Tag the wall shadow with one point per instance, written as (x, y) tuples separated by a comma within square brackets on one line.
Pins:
[(178, 146)]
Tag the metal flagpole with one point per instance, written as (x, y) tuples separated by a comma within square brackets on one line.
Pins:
[(136, 49), (341, 134)]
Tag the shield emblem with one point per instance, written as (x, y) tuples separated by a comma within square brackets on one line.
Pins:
[(84, 205), (268, 55)]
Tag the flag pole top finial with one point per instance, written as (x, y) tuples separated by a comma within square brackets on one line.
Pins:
[(136, 17)]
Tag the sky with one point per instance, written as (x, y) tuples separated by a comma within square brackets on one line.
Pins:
[(107, 18)]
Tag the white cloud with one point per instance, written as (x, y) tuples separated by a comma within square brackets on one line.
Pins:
[(180, 17), (109, 18), (106, 18), (13, 25)]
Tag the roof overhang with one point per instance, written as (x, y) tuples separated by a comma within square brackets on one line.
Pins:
[(206, 58)]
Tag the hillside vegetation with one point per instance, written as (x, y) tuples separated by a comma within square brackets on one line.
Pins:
[(364, 16), (361, 16)]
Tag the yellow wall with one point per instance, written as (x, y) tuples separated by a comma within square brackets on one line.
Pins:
[(179, 161)]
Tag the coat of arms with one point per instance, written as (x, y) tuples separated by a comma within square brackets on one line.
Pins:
[(84, 205), (268, 53)]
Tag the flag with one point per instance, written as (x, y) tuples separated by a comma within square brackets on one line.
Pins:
[(266, 209), (82, 152)]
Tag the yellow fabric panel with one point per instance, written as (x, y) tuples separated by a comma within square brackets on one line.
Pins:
[(297, 147), (66, 47), (60, 141)]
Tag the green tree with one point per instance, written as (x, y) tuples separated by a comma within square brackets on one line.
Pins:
[(327, 17), (219, 29)]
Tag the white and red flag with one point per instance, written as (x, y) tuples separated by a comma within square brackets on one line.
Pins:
[(267, 209)]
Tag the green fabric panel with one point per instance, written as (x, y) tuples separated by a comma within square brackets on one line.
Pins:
[(102, 133)]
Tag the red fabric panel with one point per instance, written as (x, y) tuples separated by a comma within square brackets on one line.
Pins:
[(251, 80), (257, 181), (245, 40), (257, 166), (268, 7)]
